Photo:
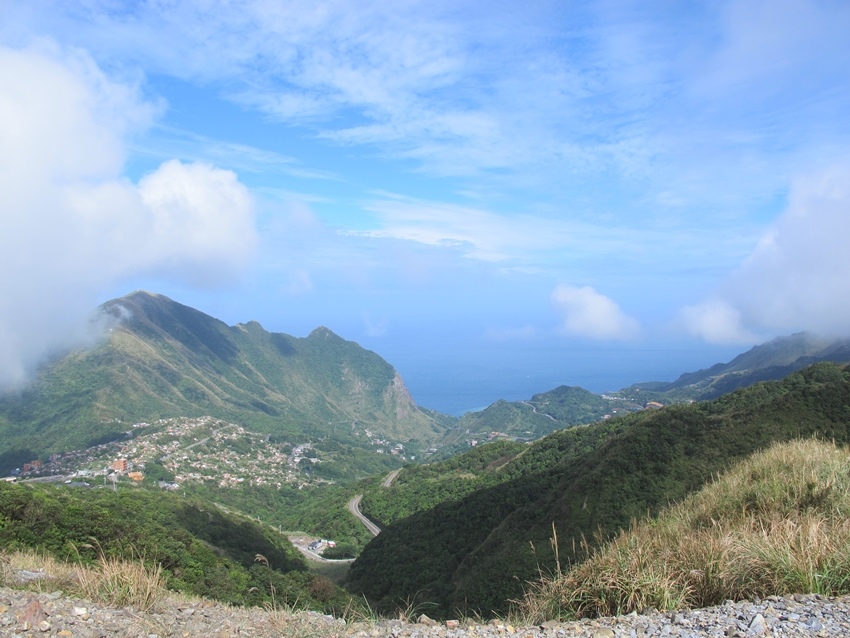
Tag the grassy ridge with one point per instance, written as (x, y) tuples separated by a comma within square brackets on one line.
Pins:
[(477, 553), (777, 523)]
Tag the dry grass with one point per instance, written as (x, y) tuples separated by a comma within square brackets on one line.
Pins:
[(131, 583), (111, 581), (123, 583), (777, 523), (28, 569)]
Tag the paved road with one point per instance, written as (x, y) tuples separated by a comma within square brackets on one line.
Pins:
[(533, 409), (301, 543), (354, 508), (390, 478), (53, 478), (354, 505)]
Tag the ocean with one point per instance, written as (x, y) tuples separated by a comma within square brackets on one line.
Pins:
[(460, 380)]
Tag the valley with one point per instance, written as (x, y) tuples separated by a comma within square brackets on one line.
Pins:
[(317, 438)]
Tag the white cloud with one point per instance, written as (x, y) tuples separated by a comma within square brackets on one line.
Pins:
[(716, 98), (459, 88), (587, 313), (716, 321), (71, 224), (199, 220), (481, 234), (797, 276), (243, 158)]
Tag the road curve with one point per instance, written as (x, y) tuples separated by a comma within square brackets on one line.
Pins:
[(390, 478), (534, 409), (354, 505), (354, 508)]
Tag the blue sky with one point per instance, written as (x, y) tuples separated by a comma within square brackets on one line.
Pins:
[(440, 181)]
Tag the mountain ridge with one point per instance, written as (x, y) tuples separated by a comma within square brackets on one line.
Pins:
[(474, 553), (768, 361), (160, 358)]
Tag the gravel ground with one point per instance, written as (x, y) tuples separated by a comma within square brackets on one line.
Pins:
[(27, 613)]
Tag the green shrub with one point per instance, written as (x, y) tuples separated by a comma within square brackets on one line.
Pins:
[(341, 551)]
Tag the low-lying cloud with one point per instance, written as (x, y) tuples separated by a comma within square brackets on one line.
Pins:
[(587, 313), (716, 321), (73, 224), (796, 277)]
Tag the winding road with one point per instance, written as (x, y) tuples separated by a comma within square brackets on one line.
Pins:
[(354, 505), (302, 544), (390, 478), (534, 409), (354, 508)]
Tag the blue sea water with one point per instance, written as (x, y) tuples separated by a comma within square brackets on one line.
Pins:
[(459, 380)]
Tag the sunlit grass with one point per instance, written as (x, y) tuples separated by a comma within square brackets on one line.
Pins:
[(776, 524)]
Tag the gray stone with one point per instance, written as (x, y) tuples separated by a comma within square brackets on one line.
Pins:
[(758, 626), (814, 624)]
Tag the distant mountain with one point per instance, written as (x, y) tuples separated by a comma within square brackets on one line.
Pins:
[(545, 412), (163, 359), (475, 549), (567, 406), (769, 361)]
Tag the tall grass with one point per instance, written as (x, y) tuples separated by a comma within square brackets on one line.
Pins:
[(111, 581), (777, 523), (123, 583)]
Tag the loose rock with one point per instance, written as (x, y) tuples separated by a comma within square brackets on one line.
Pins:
[(26, 613)]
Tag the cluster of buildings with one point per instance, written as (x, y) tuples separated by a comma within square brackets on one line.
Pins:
[(201, 449), (319, 545), (383, 446), (193, 449), (231, 456)]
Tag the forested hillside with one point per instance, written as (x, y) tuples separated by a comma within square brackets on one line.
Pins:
[(773, 525), (475, 553), (203, 550)]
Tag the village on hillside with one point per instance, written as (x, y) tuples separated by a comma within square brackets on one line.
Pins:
[(202, 449)]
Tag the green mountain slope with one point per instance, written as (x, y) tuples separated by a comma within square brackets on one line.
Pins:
[(202, 550), (543, 413), (766, 362), (163, 359), (477, 552), (563, 407)]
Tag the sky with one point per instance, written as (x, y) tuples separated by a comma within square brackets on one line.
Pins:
[(604, 191)]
